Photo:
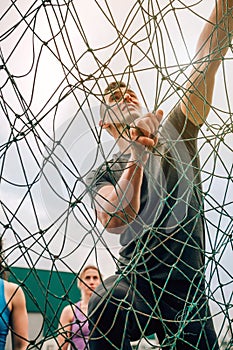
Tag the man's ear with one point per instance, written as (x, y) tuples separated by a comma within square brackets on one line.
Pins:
[(104, 125), (107, 126)]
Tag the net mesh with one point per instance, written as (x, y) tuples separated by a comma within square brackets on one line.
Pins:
[(56, 59)]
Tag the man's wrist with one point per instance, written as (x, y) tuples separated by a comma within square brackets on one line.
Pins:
[(139, 159)]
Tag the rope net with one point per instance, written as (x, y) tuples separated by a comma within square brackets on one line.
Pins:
[(57, 56)]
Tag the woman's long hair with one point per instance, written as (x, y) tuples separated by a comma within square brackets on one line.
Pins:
[(3, 273)]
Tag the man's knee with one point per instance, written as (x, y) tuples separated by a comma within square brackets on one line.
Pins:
[(109, 298)]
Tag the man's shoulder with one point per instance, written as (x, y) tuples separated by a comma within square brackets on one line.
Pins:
[(177, 125)]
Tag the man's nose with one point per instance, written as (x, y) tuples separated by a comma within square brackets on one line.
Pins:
[(127, 97)]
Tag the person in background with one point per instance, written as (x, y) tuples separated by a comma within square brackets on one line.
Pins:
[(73, 324), (13, 312)]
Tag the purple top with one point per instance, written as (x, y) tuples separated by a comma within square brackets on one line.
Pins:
[(79, 329)]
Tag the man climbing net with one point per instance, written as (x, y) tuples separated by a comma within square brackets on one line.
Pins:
[(150, 194)]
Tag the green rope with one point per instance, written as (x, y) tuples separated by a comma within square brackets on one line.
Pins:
[(55, 62)]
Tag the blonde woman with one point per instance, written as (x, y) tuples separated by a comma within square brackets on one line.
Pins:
[(73, 325)]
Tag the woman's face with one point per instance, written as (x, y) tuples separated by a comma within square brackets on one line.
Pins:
[(90, 280)]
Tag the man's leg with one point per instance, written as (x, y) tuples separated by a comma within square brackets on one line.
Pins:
[(187, 320), (121, 310), (109, 314), (199, 332)]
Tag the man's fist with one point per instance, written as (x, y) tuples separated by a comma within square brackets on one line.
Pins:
[(144, 130)]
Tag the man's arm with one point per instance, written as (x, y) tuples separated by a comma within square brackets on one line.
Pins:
[(119, 205), (212, 46)]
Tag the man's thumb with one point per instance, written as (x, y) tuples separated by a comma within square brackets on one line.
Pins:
[(159, 115)]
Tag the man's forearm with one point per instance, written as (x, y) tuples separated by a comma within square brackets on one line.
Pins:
[(119, 205), (217, 32), (212, 46)]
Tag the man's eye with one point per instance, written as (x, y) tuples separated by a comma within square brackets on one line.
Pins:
[(116, 97)]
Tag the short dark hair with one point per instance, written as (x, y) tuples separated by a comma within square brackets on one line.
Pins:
[(114, 85)]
